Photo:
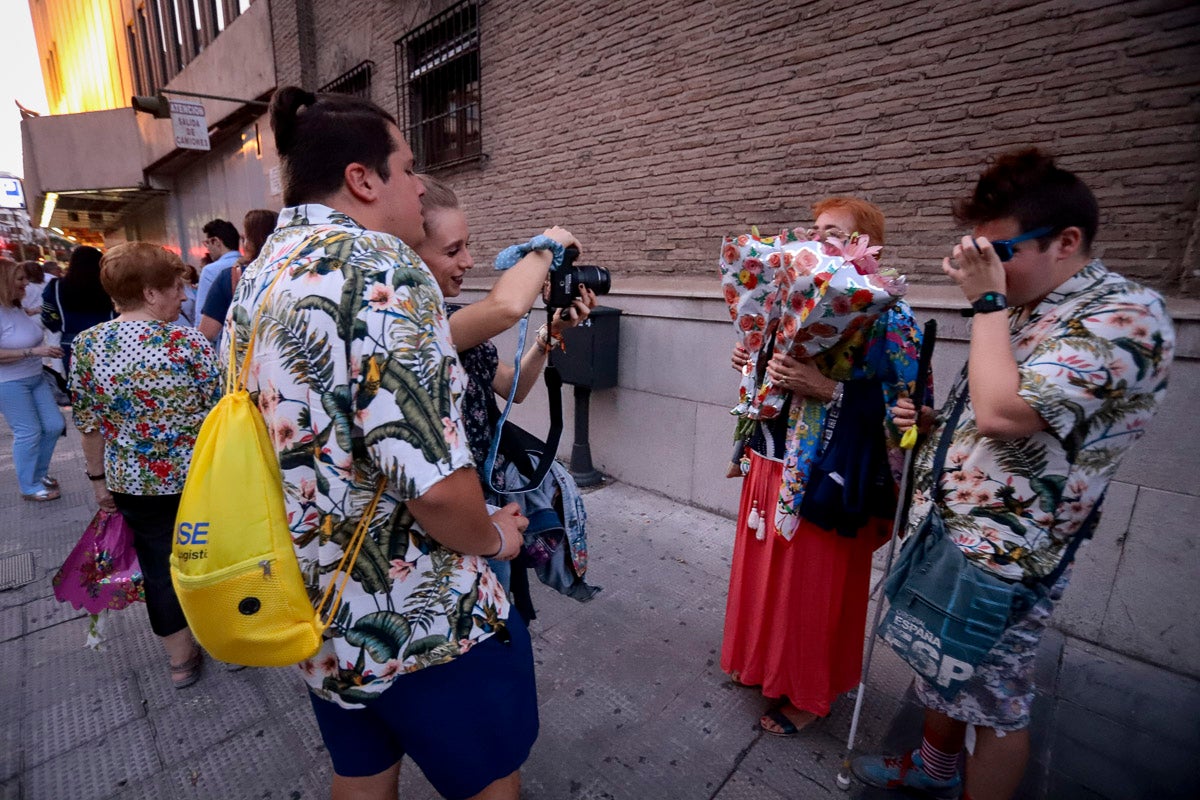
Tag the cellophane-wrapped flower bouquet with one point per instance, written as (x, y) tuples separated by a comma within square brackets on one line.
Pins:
[(811, 295)]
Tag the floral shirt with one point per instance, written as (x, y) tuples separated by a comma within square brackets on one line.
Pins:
[(356, 377), (1093, 360), (147, 387)]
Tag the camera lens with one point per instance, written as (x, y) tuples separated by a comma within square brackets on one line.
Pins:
[(597, 279)]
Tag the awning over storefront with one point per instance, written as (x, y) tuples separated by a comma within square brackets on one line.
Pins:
[(85, 171)]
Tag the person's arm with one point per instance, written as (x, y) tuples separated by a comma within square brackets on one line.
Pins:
[(992, 375), (209, 327), (452, 511), (535, 358), (8, 356), (510, 299), (409, 430), (216, 305), (93, 461)]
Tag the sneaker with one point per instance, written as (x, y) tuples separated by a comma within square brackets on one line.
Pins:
[(904, 772)]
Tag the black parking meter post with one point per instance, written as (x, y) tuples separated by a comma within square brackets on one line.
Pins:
[(581, 452), (588, 361)]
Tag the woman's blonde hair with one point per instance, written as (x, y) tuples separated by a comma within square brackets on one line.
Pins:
[(129, 269), (438, 196)]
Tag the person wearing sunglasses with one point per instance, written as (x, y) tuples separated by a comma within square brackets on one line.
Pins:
[(1068, 362)]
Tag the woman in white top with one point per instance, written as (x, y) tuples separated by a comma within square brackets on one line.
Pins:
[(25, 398)]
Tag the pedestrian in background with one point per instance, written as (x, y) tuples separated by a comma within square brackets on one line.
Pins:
[(26, 400), (142, 386), (257, 226), (187, 312), (77, 301), (1068, 363), (222, 240), (37, 284)]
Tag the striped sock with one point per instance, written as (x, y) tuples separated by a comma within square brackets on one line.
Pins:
[(938, 764)]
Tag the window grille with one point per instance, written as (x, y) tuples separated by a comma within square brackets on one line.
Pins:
[(438, 83), (356, 81)]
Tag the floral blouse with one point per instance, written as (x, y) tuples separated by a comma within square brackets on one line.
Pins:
[(1093, 359), (479, 408), (357, 379), (146, 386)]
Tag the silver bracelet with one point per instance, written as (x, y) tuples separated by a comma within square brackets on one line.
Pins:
[(499, 549)]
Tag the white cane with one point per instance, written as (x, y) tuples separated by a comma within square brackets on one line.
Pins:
[(928, 338)]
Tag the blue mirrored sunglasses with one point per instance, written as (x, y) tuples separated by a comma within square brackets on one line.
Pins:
[(1004, 247)]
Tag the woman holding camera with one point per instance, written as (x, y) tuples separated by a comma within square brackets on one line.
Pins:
[(796, 610), (446, 251)]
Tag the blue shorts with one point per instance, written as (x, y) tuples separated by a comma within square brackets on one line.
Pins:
[(465, 723)]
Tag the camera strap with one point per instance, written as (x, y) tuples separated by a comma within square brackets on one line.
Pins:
[(545, 459)]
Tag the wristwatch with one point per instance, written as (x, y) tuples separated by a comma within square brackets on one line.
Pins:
[(988, 302)]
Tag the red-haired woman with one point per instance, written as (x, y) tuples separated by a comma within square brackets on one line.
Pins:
[(797, 607)]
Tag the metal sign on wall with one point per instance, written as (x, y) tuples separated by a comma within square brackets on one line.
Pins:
[(11, 195), (191, 128)]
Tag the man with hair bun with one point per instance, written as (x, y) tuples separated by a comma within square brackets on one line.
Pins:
[(358, 382), (1068, 363)]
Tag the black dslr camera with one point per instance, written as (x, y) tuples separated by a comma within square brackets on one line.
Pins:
[(566, 280)]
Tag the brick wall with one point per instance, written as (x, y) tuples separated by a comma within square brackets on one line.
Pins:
[(651, 129)]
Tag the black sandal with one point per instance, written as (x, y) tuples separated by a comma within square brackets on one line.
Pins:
[(786, 726)]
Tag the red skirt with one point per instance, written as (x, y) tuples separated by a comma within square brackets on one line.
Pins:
[(796, 611)]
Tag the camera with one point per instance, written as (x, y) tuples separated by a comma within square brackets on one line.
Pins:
[(566, 280)]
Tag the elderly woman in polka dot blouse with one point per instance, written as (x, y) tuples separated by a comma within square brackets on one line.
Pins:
[(142, 386)]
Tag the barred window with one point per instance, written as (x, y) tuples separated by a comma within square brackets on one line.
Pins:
[(438, 83), (356, 81)]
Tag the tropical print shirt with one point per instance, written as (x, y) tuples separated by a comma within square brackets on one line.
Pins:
[(1093, 360), (356, 377), (147, 387)]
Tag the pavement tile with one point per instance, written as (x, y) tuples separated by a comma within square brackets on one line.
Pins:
[(55, 729), (258, 762), (1118, 762), (199, 720), (12, 623), (742, 787), (1059, 787), (47, 611), (281, 687), (12, 749), (1132, 693), (99, 769), (805, 765), (60, 666)]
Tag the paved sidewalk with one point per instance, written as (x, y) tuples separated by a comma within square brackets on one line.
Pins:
[(633, 703)]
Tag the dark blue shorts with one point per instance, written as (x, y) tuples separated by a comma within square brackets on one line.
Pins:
[(465, 724)]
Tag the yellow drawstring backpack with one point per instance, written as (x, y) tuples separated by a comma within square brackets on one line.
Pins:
[(232, 561)]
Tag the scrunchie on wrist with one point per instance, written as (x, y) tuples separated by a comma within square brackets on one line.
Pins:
[(509, 256)]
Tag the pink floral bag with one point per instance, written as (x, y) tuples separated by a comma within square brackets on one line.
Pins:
[(102, 572)]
